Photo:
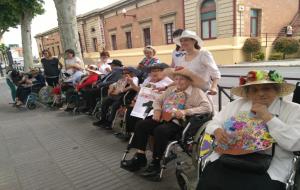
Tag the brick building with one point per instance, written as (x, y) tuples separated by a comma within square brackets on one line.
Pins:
[(125, 27), (49, 40)]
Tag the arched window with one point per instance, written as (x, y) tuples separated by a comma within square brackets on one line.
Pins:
[(208, 19)]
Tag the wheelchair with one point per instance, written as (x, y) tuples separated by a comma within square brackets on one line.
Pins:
[(293, 180), (119, 122), (97, 109), (39, 93), (183, 140)]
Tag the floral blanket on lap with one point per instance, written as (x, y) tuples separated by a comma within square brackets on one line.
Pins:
[(247, 135), (175, 101)]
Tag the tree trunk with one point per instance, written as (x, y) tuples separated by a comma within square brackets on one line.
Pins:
[(26, 40), (67, 23)]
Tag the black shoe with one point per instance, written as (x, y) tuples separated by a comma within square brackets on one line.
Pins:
[(69, 109), (99, 123), (152, 170), (108, 127), (135, 164)]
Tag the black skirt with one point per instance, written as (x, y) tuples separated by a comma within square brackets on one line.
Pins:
[(217, 177)]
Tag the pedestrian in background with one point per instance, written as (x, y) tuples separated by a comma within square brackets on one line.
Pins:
[(52, 68)]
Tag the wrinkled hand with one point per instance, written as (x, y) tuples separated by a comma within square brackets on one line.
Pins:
[(212, 91), (221, 136), (129, 81), (179, 114), (156, 116), (108, 69), (261, 111)]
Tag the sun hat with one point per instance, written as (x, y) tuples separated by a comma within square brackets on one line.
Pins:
[(132, 70), (196, 80), (263, 77), (189, 34), (116, 62), (160, 66), (94, 69)]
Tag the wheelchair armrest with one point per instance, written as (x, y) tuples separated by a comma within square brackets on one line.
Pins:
[(198, 119), (128, 97)]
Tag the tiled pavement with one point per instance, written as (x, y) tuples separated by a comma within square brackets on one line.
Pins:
[(53, 150)]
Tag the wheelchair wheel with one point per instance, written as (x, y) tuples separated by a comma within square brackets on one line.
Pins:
[(196, 145), (31, 106), (45, 94), (182, 180), (98, 115)]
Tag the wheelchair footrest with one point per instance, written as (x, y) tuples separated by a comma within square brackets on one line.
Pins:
[(171, 157)]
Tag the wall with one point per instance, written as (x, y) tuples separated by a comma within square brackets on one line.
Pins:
[(150, 13), (224, 17), (276, 14)]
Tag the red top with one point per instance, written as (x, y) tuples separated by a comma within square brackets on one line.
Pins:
[(88, 81)]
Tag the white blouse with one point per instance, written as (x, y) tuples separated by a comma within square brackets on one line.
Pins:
[(285, 129), (103, 66), (203, 65)]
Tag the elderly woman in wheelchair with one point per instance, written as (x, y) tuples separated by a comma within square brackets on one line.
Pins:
[(253, 138), (30, 82), (177, 102)]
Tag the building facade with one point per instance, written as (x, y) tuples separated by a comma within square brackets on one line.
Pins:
[(224, 25), (125, 27)]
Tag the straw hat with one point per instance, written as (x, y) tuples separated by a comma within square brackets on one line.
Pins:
[(263, 77), (160, 66), (189, 34), (94, 69), (196, 80)]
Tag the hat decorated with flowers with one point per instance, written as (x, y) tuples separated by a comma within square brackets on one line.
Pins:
[(263, 77)]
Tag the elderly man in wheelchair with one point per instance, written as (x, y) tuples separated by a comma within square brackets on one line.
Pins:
[(175, 104), (254, 138)]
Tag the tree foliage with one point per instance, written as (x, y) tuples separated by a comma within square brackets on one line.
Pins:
[(286, 45), (252, 46), (7, 19)]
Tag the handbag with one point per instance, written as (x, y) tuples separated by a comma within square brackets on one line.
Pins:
[(254, 162)]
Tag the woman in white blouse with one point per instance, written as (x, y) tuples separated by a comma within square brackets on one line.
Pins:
[(263, 108), (198, 60)]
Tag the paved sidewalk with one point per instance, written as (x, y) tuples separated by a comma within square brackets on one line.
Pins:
[(53, 150)]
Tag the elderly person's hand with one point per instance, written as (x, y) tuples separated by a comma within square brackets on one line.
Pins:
[(156, 116), (129, 80), (261, 111), (179, 114), (221, 136), (212, 91)]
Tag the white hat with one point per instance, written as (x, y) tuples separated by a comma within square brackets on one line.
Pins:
[(189, 34), (94, 69), (196, 80)]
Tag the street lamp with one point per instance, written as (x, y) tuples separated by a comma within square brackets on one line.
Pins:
[(124, 11)]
